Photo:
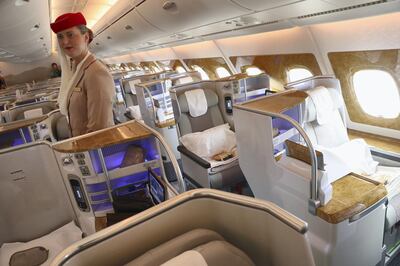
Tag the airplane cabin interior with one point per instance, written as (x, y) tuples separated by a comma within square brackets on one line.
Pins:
[(245, 132)]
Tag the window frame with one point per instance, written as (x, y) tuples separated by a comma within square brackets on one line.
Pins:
[(297, 67)]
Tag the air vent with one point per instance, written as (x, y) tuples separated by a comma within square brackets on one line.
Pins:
[(342, 9)]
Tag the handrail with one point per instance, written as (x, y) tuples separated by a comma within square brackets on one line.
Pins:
[(313, 202), (152, 102)]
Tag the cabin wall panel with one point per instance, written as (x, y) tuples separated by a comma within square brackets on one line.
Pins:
[(295, 40), (198, 50), (373, 33)]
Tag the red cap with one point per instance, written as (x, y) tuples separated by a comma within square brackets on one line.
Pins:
[(67, 21)]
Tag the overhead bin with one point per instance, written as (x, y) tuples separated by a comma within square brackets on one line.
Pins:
[(126, 33), (178, 15), (33, 21), (258, 5)]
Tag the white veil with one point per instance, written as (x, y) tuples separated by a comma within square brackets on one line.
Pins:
[(69, 78)]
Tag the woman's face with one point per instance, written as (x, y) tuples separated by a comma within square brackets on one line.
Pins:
[(73, 42)]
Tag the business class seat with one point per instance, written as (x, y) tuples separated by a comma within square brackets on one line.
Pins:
[(324, 123), (198, 227), (30, 110), (203, 169)]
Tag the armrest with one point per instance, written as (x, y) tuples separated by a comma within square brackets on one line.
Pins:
[(203, 163)]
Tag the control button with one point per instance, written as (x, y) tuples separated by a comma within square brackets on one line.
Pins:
[(43, 126), (79, 156), (81, 162), (84, 170)]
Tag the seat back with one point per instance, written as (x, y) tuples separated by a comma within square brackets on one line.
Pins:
[(331, 132), (18, 113), (213, 116)]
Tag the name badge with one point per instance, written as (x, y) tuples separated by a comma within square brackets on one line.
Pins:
[(78, 89)]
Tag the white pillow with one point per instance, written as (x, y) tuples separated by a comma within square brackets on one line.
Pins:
[(211, 141)]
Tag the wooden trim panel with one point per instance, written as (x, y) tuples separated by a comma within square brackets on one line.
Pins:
[(381, 142), (119, 134), (277, 103), (351, 195)]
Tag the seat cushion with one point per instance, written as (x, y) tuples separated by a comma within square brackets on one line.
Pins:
[(217, 253), (172, 248), (197, 247)]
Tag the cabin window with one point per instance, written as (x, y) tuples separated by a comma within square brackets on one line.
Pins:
[(222, 72), (253, 71), (208, 65), (203, 74), (298, 73), (377, 93), (180, 69)]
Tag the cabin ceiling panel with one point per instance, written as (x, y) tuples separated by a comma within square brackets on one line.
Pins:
[(183, 14), (24, 29)]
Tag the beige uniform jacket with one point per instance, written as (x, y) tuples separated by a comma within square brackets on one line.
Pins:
[(91, 102)]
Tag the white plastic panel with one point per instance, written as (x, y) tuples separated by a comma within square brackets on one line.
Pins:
[(259, 5), (188, 14), (122, 38), (230, 27), (343, 3), (371, 10), (18, 35)]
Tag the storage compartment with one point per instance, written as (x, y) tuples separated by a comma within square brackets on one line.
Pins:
[(178, 15), (120, 36)]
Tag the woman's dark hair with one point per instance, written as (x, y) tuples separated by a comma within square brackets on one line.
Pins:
[(85, 29)]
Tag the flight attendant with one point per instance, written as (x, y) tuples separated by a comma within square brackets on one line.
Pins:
[(87, 88)]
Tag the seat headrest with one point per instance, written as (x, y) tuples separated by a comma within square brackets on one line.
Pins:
[(211, 97), (310, 112)]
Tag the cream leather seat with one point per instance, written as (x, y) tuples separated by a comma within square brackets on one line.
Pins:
[(199, 227), (199, 169), (19, 112), (330, 134)]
